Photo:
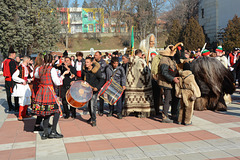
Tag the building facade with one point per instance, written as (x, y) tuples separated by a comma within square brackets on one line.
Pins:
[(215, 14)]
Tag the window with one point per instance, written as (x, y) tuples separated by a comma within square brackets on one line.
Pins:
[(202, 13), (97, 16), (90, 27), (90, 16), (76, 17), (98, 28)]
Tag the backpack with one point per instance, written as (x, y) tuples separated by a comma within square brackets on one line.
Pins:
[(155, 64)]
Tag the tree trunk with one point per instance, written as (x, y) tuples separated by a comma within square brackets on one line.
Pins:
[(66, 41)]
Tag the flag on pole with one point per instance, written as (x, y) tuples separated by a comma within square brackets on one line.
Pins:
[(132, 40)]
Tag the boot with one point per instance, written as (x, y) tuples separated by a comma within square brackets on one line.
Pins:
[(24, 115), (20, 118), (119, 115), (45, 134), (110, 114), (55, 134)]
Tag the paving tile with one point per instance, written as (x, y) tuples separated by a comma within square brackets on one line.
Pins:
[(105, 153), (233, 152), (77, 147), (143, 141), (100, 145), (5, 154), (163, 138), (23, 153), (29, 144), (192, 156), (228, 158), (219, 142), (236, 129), (166, 158), (204, 135), (216, 154), (198, 144), (184, 137), (125, 151), (122, 143), (152, 148), (136, 156), (83, 155), (174, 146), (153, 154)]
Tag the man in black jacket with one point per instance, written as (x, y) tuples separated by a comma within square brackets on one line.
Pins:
[(92, 75), (67, 82), (103, 64)]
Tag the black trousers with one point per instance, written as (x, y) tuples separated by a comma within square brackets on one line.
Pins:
[(66, 110), (9, 87), (156, 95), (171, 99)]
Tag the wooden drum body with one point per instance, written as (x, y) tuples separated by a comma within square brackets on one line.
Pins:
[(79, 94), (113, 91)]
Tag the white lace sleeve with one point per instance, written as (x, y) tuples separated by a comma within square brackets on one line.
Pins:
[(36, 74), (56, 80), (16, 78)]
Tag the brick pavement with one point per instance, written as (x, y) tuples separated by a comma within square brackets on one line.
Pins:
[(213, 135)]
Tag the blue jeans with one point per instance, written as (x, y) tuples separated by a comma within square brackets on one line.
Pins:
[(118, 106)]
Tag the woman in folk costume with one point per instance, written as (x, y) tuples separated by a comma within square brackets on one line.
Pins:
[(38, 62), (22, 77), (138, 93), (46, 99)]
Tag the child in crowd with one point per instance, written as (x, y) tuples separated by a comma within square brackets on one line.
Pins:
[(188, 90)]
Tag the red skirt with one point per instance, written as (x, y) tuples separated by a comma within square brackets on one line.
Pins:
[(44, 96)]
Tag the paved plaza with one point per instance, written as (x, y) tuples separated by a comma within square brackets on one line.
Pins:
[(212, 136)]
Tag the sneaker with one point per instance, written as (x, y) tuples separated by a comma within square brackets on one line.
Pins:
[(110, 114), (119, 116), (37, 129), (94, 123), (100, 114), (167, 120)]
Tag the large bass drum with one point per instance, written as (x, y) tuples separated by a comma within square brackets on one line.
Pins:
[(79, 94)]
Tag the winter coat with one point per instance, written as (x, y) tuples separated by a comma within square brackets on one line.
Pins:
[(187, 88), (103, 65), (168, 70), (94, 76), (119, 76)]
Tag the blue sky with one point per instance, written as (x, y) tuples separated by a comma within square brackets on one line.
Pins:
[(80, 2)]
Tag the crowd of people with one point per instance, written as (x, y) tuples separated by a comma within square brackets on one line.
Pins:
[(162, 78)]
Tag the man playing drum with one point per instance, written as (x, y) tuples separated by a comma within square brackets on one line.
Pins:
[(92, 75), (118, 74)]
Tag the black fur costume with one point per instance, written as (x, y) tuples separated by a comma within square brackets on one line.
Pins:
[(214, 80)]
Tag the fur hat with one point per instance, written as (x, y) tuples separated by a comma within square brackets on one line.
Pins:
[(170, 50), (186, 66), (11, 50), (205, 52)]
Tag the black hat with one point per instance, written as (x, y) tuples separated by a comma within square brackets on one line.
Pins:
[(235, 49), (11, 50), (186, 66), (65, 53)]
